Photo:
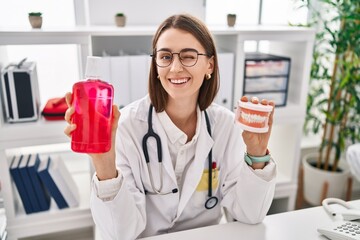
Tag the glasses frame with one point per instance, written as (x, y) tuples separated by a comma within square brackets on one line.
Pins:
[(178, 53)]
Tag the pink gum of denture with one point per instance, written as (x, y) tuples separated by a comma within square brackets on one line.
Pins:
[(253, 117)]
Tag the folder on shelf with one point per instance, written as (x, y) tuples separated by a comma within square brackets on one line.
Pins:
[(129, 77), (15, 174), (46, 178), (42, 194), (120, 79), (64, 181), (27, 183), (226, 68), (105, 69), (139, 75)]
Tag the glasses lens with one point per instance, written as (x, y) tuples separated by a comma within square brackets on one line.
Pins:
[(188, 58), (163, 58)]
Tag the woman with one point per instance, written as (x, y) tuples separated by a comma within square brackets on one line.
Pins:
[(202, 167)]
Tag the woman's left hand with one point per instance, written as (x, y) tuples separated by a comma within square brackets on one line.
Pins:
[(256, 143)]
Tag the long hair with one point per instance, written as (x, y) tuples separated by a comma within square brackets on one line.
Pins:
[(210, 87)]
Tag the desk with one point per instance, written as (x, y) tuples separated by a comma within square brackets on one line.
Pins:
[(294, 225)]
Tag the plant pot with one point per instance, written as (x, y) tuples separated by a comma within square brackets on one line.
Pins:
[(35, 21), (120, 21), (315, 181), (231, 20)]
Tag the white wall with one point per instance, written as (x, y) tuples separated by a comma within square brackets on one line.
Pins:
[(55, 13), (142, 12), (55, 64)]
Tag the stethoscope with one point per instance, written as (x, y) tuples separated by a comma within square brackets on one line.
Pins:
[(212, 200)]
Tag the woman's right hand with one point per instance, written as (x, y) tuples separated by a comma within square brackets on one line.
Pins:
[(104, 163)]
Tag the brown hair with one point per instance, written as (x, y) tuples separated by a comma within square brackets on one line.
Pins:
[(209, 88)]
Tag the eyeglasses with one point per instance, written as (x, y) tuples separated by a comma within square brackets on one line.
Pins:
[(188, 57)]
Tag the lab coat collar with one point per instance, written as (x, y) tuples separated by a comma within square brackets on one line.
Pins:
[(142, 110), (174, 133)]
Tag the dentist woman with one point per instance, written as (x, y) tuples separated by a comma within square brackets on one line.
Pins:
[(177, 158)]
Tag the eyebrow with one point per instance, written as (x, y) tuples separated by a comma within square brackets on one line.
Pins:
[(184, 49)]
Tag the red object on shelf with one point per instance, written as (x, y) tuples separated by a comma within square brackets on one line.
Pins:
[(55, 109)]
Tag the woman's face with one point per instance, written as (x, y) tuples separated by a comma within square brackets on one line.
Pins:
[(179, 81)]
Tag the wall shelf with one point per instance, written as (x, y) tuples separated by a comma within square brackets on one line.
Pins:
[(285, 142)]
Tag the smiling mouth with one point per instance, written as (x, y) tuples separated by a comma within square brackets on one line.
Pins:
[(179, 80)]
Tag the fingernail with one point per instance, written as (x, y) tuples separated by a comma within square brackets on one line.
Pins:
[(255, 100), (264, 102), (244, 99)]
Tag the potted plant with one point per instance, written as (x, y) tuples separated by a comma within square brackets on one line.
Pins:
[(35, 19), (333, 103), (120, 19), (231, 19)]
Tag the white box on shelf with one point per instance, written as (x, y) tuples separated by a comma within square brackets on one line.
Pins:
[(120, 79)]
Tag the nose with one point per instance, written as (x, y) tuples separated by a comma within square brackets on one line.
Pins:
[(176, 65)]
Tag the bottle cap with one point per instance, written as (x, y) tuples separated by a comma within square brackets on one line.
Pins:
[(93, 67)]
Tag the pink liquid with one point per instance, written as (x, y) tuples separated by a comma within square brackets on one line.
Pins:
[(93, 100)]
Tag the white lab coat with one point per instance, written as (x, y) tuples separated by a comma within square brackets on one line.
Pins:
[(131, 213)]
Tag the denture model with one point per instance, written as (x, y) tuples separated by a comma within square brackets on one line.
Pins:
[(253, 117)]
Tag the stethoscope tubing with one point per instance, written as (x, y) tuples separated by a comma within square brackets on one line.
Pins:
[(148, 135), (210, 157), (157, 191), (212, 200)]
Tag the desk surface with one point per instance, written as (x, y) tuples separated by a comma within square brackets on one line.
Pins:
[(294, 225)]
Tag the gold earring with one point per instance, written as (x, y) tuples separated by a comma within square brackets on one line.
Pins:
[(208, 76)]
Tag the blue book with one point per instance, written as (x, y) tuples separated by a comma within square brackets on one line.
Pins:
[(41, 192), (45, 176), (15, 174), (27, 183)]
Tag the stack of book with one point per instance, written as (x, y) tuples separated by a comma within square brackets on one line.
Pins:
[(3, 232), (38, 178)]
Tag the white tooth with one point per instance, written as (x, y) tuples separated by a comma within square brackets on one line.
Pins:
[(183, 80), (252, 118)]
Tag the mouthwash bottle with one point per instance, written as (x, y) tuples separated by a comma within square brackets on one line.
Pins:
[(92, 100)]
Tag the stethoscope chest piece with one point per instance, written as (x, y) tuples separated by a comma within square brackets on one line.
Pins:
[(211, 202)]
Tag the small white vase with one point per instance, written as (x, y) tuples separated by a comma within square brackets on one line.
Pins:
[(231, 20), (315, 178), (120, 21), (35, 21)]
